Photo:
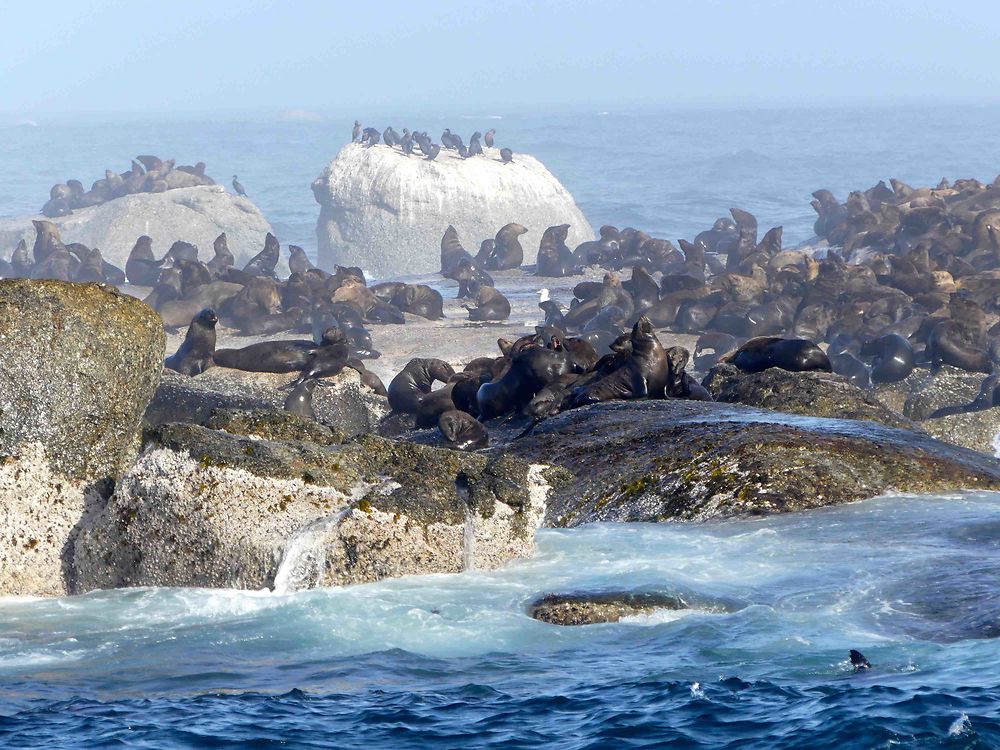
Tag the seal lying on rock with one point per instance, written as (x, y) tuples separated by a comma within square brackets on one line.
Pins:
[(794, 355), (196, 353)]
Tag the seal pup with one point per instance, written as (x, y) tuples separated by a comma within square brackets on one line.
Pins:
[(300, 400), (298, 261), (506, 156), (490, 305), (196, 353), (238, 187), (462, 431), (488, 137)]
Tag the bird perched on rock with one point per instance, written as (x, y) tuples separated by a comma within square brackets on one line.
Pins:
[(506, 156), (238, 187), (475, 148), (432, 151), (356, 133), (488, 138)]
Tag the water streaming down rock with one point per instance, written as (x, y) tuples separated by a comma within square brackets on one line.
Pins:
[(304, 558), (469, 540)]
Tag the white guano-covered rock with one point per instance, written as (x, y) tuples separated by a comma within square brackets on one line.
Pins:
[(386, 213), (195, 214)]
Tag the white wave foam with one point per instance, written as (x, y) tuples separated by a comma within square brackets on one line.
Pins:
[(960, 726)]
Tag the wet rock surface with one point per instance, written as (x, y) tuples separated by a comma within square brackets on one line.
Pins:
[(921, 394), (976, 430), (814, 394), (684, 461), (205, 507), (593, 608)]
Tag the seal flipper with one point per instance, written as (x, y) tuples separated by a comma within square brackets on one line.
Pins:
[(859, 662)]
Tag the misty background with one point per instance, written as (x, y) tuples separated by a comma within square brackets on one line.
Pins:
[(309, 58)]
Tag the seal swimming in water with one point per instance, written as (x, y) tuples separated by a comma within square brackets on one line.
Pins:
[(859, 662), (462, 431), (196, 353)]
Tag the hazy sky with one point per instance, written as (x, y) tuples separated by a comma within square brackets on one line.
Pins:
[(183, 57)]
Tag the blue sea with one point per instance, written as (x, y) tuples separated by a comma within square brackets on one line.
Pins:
[(453, 661)]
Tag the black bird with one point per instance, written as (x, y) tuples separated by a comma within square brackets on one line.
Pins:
[(859, 662), (447, 139), (390, 136), (506, 156), (371, 137), (238, 187), (406, 143), (488, 138), (432, 151), (475, 148), (356, 133), (463, 151)]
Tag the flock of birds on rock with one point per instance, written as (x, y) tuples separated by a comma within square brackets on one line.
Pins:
[(148, 174), (418, 142)]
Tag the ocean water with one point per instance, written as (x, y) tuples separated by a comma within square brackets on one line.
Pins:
[(453, 661), (670, 173)]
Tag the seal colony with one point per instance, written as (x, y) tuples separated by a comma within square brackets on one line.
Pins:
[(147, 174)]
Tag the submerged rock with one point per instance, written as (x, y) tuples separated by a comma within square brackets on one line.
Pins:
[(78, 365), (193, 214), (679, 460), (387, 213), (342, 404), (204, 507), (589, 609), (814, 394)]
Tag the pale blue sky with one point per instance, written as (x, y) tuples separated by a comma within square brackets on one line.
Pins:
[(184, 57)]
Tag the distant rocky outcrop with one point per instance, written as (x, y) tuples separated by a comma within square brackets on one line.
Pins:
[(386, 212), (193, 214)]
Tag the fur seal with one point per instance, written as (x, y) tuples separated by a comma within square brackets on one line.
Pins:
[(223, 259), (950, 343), (20, 261), (794, 355), (452, 252), (507, 250), (531, 369), (268, 356), (857, 373), (411, 387), (264, 262), (554, 258), (894, 360), (988, 397), (299, 401), (490, 305), (859, 662), (462, 431), (327, 360), (196, 353), (644, 374)]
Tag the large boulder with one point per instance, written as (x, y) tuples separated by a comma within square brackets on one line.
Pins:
[(195, 214), (78, 365), (814, 394), (681, 460), (921, 394), (203, 507), (343, 403), (387, 213)]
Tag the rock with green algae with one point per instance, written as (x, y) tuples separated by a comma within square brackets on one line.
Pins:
[(78, 365), (593, 608), (343, 403), (815, 394), (205, 507), (675, 460)]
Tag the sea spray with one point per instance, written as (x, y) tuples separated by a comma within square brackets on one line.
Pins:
[(304, 558)]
